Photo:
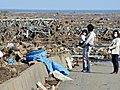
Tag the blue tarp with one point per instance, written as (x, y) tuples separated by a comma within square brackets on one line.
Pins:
[(11, 61), (40, 56)]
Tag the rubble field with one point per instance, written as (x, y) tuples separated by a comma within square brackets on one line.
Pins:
[(58, 33)]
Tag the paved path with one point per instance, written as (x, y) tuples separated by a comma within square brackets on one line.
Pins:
[(99, 79)]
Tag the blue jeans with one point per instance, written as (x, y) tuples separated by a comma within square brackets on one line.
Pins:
[(115, 62), (86, 59)]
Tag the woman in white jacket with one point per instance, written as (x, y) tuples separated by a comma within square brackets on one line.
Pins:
[(115, 50)]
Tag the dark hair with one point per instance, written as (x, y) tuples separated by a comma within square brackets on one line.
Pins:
[(114, 33), (84, 31), (90, 27)]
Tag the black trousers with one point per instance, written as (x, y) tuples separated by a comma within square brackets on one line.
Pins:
[(115, 62)]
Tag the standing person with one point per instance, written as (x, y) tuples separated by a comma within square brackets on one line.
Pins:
[(87, 46), (82, 37), (115, 50)]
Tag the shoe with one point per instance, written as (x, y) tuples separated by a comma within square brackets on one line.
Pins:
[(116, 72), (84, 71), (88, 71), (113, 72)]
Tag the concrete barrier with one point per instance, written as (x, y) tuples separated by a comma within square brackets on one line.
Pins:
[(67, 55), (56, 58), (63, 60), (27, 79), (3, 87)]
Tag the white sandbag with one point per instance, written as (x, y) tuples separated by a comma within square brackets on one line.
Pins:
[(1, 54), (60, 76)]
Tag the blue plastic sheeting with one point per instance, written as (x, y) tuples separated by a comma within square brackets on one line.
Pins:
[(36, 55), (40, 56), (11, 61)]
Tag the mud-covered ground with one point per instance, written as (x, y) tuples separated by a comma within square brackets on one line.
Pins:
[(11, 71)]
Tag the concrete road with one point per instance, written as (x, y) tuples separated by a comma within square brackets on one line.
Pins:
[(99, 79)]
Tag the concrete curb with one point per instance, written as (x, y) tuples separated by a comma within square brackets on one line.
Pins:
[(28, 78)]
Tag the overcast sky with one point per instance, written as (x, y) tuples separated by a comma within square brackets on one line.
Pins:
[(61, 4)]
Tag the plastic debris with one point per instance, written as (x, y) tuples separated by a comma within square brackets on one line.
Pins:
[(60, 76), (40, 56), (11, 61), (1, 54)]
